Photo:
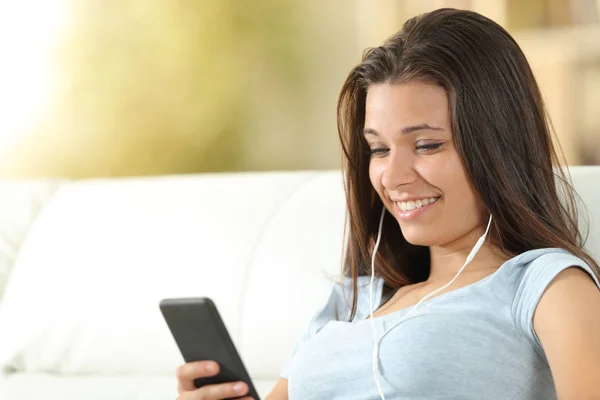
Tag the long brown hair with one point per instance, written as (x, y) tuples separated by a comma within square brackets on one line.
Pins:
[(500, 130)]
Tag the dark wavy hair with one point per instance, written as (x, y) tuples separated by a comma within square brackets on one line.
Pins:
[(500, 129)]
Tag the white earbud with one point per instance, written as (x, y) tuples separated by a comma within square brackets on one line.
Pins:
[(376, 341)]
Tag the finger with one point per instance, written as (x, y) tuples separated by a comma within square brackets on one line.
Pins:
[(182, 390), (223, 391), (190, 371)]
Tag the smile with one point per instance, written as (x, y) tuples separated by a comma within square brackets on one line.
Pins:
[(414, 204)]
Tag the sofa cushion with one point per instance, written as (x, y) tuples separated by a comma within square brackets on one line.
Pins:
[(84, 294), (100, 387)]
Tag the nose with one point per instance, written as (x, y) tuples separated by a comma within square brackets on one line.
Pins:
[(398, 169)]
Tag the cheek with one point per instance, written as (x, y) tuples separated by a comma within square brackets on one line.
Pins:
[(443, 170), (375, 174), (449, 175), (446, 173)]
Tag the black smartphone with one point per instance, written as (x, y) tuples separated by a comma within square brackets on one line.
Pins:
[(201, 335)]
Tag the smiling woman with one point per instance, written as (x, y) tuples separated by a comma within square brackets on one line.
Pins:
[(414, 144), (445, 140)]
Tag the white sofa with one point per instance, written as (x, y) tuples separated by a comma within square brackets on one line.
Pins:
[(84, 264)]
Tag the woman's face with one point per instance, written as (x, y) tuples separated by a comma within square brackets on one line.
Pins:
[(414, 166)]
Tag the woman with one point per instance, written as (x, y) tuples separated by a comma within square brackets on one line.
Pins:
[(445, 136)]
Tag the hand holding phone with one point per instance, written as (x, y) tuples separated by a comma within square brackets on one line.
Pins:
[(203, 341), (187, 389)]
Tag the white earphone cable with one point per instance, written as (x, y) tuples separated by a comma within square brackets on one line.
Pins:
[(375, 361)]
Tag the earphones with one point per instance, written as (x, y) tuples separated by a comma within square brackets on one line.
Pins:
[(376, 341)]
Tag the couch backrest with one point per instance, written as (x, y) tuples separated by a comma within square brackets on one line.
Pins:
[(84, 292), (586, 181), (83, 296), (20, 202)]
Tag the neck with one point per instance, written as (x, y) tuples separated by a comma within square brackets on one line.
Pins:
[(448, 259)]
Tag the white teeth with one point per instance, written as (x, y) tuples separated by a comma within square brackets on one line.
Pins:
[(411, 205)]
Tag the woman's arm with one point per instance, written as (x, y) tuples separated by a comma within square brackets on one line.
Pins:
[(567, 322), (280, 391)]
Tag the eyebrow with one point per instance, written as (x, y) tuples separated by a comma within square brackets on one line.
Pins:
[(407, 129)]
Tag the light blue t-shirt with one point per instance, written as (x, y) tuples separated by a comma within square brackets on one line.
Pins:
[(476, 342)]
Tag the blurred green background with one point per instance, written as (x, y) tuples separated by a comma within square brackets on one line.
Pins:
[(135, 87)]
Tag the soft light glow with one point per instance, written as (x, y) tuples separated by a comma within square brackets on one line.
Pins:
[(28, 31)]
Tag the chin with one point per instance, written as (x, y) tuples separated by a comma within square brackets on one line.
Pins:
[(418, 236)]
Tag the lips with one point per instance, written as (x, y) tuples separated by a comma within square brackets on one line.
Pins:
[(411, 210), (415, 204)]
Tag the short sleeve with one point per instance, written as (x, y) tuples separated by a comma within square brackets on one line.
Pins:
[(336, 308), (538, 275)]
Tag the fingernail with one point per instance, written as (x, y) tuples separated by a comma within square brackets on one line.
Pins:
[(239, 387), (210, 367)]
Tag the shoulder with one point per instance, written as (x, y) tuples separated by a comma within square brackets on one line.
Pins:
[(536, 270), (567, 283), (566, 322), (573, 285)]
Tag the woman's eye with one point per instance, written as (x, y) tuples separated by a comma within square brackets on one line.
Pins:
[(377, 151), (428, 146)]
